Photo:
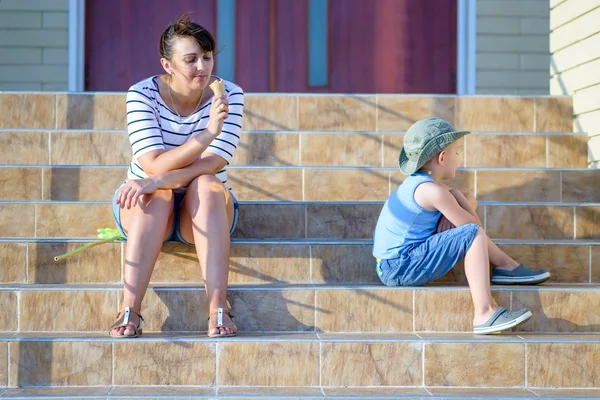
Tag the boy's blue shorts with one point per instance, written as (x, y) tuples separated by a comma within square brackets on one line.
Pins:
[(430, 260), (175, 235)]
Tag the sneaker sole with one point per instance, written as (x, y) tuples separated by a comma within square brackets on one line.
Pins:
[(525, 280), (499, 328)]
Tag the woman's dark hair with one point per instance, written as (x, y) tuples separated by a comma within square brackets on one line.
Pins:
[(183, 27)]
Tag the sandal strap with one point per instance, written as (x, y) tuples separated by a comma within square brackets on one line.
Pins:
[(123, 320), (220, 311)]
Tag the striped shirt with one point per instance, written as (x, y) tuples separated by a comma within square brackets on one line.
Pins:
[(151, 125)]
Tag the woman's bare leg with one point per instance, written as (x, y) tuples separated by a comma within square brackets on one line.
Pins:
[(206, 218), (147, 226)]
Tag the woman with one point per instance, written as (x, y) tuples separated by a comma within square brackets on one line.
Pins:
[(182, 136)]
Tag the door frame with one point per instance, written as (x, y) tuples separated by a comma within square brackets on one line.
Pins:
[(76, 45), (466, 57), (466, 43)]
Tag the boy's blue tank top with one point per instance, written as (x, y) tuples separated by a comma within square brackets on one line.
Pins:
[(402, 222)]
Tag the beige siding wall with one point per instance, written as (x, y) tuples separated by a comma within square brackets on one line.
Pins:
[(575, 64), (33, 45), (513, 54)]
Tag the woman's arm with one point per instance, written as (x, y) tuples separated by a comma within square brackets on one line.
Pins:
[(159, 161), (133, 189), (208, 165)]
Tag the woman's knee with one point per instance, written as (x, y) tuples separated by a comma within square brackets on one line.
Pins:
[(161, 198), (208, 187)]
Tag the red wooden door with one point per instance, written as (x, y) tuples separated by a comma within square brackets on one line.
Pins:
[(122, 38), (373, 46), (392, 46)]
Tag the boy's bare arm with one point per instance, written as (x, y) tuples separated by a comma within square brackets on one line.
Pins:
[(435, 197), (467, 204)]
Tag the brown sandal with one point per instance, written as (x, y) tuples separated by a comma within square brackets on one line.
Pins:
[(219, 325), (123, 321)]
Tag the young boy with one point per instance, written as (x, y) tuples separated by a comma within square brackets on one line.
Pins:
[(425, 228)]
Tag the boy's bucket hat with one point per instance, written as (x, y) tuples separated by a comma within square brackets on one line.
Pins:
[(423, 140)]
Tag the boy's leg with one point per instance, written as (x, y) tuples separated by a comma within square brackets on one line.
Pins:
[(488, 318), (505, 271), (436, 256), (500, 259), (497, 257), (478, 275)]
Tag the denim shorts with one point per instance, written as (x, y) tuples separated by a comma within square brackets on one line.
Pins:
[(175, 235), (428, 261)]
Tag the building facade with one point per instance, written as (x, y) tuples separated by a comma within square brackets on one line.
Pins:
[(575, 64), (488, 46)]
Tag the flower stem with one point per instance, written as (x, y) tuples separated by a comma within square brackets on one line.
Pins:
[(83, 248)]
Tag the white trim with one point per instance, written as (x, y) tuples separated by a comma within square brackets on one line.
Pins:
[(76, 45), (466, 47)]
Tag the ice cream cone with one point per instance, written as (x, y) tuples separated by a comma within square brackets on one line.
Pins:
[(218, 87)]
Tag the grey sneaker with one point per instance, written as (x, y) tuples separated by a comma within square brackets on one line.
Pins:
[(519, 276), (502, 320)]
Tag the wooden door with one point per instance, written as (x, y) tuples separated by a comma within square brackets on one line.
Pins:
[(122, 38), (373, 46)]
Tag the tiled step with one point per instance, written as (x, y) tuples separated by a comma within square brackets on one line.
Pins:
[(308, 220), (289, 112), (293, 393), (263, 262), (89, 183), (314, 365), (297, 308), (298, 148)]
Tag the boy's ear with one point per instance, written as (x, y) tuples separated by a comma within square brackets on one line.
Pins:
[(441, 156)]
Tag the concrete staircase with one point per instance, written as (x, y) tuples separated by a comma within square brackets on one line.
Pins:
[(311, 173)]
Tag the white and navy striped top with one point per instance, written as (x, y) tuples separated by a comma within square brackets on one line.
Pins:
[(151, 125)]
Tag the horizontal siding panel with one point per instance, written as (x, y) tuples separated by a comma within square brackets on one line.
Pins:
[(20, 87), (34, 38), (496, 91), (534, 26), (56, 20), (498, 25), (534, 92), (34, 5), (556, 3), (594, 147), (537, 62), (20, 20), (587, 100), (589, 123), (574, 31), (577, 54), (56, 56), (55, 87), (570, 10), (497, 61), (521, 79), (533, 44), (513, 8), (575, 79), (29, 73), (12, 56)]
